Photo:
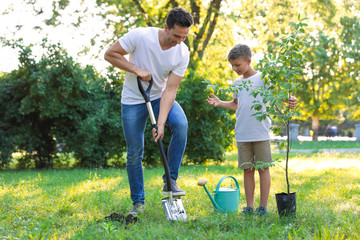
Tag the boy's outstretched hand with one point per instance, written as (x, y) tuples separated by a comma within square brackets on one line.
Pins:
[(213, 100)]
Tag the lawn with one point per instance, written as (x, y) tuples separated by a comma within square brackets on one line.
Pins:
[(66, 204), (324, 144)]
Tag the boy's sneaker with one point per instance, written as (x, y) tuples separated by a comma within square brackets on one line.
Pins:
[(261, 211), (176, 191), (248, 210), (137, 208)]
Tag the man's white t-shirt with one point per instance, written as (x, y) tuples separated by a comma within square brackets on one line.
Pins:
[(247, 128), (145, 51)]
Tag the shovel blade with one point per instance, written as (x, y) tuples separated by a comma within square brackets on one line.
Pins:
[(174, 210)]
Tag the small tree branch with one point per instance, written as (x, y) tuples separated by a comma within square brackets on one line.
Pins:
[(214, 5), (211, 28), (161, 17), (195, 11), (171, 3), (146, 17)]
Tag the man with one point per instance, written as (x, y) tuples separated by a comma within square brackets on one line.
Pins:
[(162, 55)]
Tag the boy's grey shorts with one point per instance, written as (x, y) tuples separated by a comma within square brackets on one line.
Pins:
[(251, 152)]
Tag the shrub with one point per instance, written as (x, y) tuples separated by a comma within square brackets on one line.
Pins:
[(210, 131), (56, 105)]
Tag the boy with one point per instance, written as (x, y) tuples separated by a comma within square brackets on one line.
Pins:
[(252, 136)]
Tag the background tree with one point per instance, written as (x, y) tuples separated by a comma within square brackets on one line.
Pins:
[(349, 69), (319, 88), (332, 69)]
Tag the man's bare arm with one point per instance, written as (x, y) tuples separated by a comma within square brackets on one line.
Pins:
[(115, 55)]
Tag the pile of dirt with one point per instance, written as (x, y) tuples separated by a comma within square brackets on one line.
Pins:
[(129, 219)]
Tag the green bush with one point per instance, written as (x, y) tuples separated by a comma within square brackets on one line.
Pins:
[(55, 105), (210, 131), (22, 125)]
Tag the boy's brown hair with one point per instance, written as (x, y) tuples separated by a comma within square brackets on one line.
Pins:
[(240, 51)]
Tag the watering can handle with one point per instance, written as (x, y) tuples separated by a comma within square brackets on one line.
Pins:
[(236, 182)]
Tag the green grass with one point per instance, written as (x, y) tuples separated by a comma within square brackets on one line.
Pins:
[(66, 204), (324, 144)]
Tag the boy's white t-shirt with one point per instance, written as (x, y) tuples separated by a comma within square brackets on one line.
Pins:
[(145, 51), (247, 128)]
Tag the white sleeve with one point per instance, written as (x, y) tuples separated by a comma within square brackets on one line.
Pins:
[(182, 66), (181, 69), (130, 40)]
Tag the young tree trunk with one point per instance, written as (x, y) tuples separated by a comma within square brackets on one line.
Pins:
[(315, 128), (287, 155)]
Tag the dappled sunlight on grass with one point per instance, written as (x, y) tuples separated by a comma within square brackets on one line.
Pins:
[(337, 196), (318, 164), (24, 189), (347, 206), (318, 155), (322, 164), (88, 198), (155, 182), (94, 185), (323, 181), (73, 197), (121, 193)]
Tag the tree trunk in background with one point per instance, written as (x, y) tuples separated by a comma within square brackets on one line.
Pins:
[(315, 128)]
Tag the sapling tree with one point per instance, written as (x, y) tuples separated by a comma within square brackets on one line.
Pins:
[(282, 71)]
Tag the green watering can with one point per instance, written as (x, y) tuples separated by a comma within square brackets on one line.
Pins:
[(226, 200)]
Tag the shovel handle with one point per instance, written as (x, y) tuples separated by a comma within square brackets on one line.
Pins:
[(166, 168), (146, 95)]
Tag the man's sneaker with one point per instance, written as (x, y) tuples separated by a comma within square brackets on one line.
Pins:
[(261, 211), (138, 207), (248, 210), (176, 191)]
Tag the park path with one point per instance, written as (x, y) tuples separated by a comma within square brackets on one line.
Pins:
[(335, 150)]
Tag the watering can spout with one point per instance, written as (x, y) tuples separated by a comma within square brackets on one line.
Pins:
[(202, 182)]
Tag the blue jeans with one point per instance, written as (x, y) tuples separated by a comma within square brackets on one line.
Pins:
[(134, 121)]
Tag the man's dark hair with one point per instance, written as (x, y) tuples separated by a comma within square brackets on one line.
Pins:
[(180, 17)]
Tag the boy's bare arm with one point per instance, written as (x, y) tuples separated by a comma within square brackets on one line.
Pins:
[(216, 102)]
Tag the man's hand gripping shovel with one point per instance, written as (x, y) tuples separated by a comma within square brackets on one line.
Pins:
[(173, 206)]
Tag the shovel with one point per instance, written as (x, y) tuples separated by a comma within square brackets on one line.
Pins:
[(173, 206)]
